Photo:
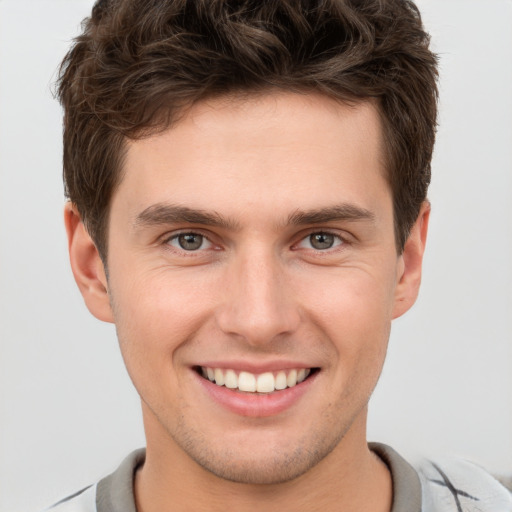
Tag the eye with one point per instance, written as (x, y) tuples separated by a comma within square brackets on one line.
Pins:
[(320, 241), (189, 241)]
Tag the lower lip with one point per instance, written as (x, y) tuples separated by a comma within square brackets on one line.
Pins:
[(256, 405)]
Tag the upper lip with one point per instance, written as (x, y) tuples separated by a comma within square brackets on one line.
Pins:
[(256, 367)]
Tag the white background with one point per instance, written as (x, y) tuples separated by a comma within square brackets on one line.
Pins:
[(68, 411)]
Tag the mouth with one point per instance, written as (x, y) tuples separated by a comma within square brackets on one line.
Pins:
[(262, 383)]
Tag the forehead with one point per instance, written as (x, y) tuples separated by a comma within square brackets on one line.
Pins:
[(251, 120), (296, 150)]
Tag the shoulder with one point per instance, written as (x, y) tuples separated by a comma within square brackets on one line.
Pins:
[(114, 493), (459, 485), (81, 501), (443, 485)]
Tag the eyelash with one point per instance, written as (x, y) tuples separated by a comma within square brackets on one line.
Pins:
[(339, 243), (338, 240), (168, 239)]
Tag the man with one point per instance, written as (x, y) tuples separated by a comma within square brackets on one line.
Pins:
[(247, 185)]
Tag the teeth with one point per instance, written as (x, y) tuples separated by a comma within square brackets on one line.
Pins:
[(280, 382), (246, 382), (291, 380), (231, 380), (219, 377), (263, 383)]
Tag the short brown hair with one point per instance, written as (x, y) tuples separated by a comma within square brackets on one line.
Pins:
[(139, 63)]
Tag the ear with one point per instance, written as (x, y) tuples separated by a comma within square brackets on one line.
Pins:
[(409, 278), (87, 266)]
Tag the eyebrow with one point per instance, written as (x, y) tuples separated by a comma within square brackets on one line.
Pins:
[(164, 213), (342, 212)]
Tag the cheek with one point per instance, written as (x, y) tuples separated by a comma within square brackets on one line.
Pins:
[(360, 335), (356, 299), (160, 298), (155, 313), (353, 311)]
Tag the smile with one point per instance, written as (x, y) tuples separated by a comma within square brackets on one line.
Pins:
[(247, 382)]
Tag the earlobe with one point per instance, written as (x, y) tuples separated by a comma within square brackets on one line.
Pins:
[(87, 267), (409, 278)]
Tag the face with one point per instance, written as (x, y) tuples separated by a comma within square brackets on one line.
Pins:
[(253, 277)]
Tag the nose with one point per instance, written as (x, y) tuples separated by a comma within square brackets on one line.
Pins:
[(259, 306)]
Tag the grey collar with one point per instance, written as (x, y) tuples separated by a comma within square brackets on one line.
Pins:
[(406, 482), (115, 492)]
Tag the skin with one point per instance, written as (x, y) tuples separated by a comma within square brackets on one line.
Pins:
[(256, 293)]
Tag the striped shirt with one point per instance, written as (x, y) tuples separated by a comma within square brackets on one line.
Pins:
[(441, 486)]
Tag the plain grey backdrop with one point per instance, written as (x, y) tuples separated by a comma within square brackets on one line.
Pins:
[(68, 412)]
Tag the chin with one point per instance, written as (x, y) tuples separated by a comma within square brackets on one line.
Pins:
[(259, 471), (264, 463)]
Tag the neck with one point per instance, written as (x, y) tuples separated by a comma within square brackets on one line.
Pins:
[(351, 478)]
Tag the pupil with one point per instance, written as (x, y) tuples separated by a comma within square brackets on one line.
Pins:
[(322, 240), (190, 241)]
